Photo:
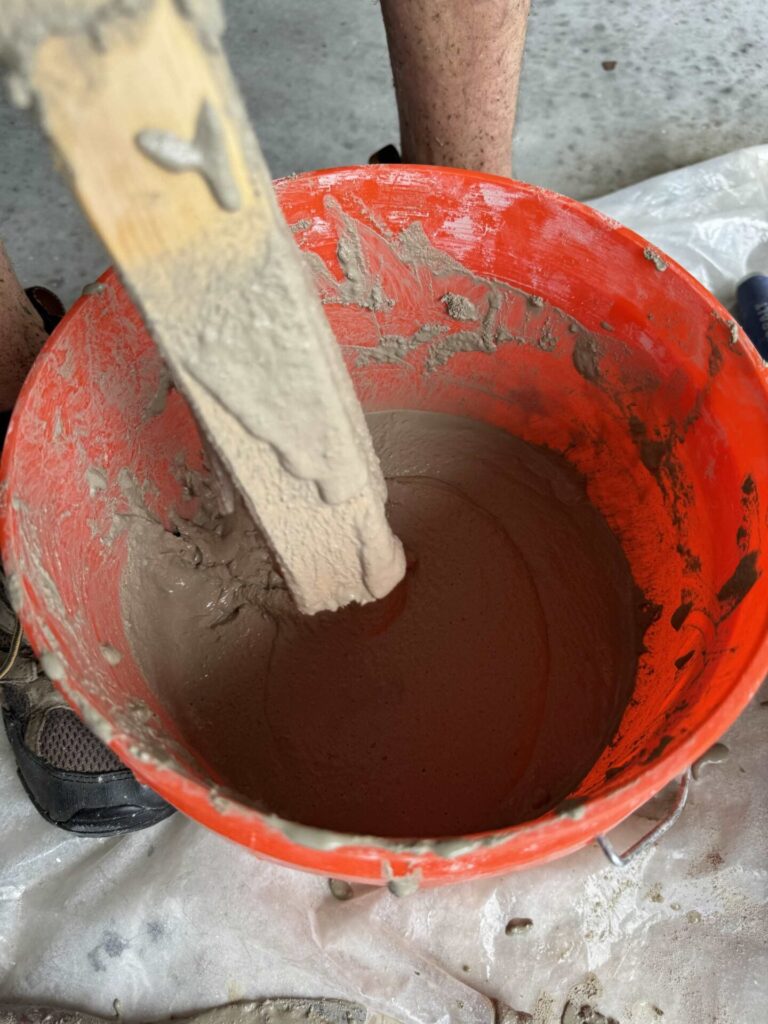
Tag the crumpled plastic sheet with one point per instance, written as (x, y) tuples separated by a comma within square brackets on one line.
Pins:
[(177, 919), (712, 217)]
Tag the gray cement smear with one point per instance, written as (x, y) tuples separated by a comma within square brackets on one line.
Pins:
[(459, 307), (253, 354), (411, 252)]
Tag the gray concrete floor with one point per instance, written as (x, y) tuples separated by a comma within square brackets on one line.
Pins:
[(315, 74)]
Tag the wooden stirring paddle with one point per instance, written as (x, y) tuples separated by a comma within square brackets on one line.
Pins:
[(140, 105)]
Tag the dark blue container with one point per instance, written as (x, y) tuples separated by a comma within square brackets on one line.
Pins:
[(752, 296)]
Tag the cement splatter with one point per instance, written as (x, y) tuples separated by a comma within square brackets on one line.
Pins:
[(717, 754), (53, 666), (111, 655), (655, 258), (94, 288), (96, 479), (459, 307), (340, 890), (206, 154), (586, 357), (402, 885)]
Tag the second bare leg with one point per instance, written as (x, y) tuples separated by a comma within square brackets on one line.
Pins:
[(21, 334), (456, 66)]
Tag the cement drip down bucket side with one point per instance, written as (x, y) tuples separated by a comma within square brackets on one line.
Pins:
[(661, 405)]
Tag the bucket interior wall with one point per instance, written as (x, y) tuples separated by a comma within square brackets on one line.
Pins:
[(658, 403)]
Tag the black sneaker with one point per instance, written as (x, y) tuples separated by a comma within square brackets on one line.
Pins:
[(386, 155), (71, 777)]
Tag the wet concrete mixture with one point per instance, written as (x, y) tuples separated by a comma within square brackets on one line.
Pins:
[(476, 695)]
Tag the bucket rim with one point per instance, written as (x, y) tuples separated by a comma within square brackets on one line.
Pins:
[(301, 846)]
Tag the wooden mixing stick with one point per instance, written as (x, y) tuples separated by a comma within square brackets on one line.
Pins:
[(143, 112)]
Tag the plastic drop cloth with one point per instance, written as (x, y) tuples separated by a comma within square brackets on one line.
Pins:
[(177, 919)]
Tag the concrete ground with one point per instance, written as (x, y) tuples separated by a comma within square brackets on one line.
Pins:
[(685, 86)]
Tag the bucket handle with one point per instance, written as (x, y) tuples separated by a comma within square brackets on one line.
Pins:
[(620, 860)]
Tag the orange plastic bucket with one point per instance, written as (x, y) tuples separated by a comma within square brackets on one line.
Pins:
[(664, 414)]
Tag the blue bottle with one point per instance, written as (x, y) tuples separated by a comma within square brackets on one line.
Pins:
[(752, 297)]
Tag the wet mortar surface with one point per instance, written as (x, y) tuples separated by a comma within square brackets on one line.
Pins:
[(475, 696)]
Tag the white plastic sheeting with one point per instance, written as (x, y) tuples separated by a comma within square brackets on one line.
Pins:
[(711, 217), (177, 919)]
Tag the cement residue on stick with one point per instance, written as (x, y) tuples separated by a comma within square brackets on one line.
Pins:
[(285, 421)]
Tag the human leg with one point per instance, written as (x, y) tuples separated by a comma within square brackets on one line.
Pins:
[(456, 67)]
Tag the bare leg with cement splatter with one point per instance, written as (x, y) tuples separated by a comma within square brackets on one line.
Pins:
[(21, 334), (456, 67)]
